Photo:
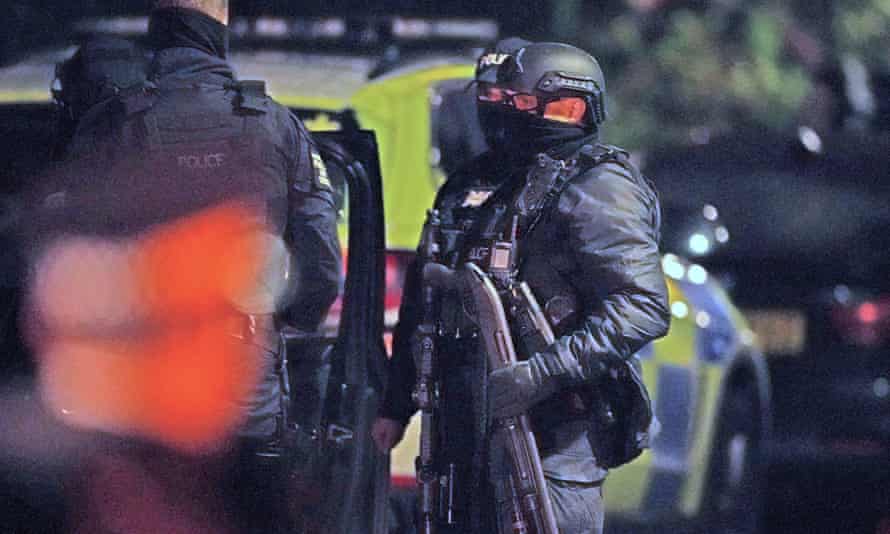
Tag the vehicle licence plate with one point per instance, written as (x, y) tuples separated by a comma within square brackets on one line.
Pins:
[(779, 332)]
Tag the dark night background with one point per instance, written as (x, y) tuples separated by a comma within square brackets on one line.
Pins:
[(778, 113)]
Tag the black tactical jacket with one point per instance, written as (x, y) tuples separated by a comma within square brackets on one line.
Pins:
[(193, 137), (593, 263)]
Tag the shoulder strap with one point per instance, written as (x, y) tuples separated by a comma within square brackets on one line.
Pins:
[(592, 156), (138, 98), (535, 201), (252, 97)]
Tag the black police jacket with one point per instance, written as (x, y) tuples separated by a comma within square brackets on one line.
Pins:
[(593, 263), (193, 137)]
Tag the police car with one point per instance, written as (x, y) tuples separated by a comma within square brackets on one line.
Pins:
[(390, 130)]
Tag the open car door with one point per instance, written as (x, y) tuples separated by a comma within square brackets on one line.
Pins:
[(340, 481)]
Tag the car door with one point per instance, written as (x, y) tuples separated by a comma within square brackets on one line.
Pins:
[(340, 481)]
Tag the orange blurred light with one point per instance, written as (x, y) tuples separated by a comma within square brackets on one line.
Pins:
[(85, 284), (153, 345), (191, 266), (195, 381), (570, 110)]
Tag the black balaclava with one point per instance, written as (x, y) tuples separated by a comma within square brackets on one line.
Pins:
[(188, 28), (517, 137)]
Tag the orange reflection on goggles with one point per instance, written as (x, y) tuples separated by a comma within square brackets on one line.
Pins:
[(524, 102), (567, 109), (571, 110)]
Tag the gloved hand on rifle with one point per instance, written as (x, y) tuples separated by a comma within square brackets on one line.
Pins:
[(514, 389)]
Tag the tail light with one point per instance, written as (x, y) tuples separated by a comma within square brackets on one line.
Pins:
[(864, 322), (397, 263)]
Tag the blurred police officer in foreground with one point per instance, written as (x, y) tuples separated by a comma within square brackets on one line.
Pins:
[(590, 257), (190, 137), (194, 112)]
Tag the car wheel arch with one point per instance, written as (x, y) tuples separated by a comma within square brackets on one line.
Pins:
[(746, 378), (749, 367)]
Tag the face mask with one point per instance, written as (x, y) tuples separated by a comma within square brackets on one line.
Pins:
[(519, 136)]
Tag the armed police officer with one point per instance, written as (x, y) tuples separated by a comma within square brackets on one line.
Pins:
[(584, 226), (189, 137)]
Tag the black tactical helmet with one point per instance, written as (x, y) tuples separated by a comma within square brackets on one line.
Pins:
[(546, 71), (99, 69)]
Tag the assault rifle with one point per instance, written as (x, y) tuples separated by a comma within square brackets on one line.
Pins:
[(491, 298), (426, 390), (531, 507)]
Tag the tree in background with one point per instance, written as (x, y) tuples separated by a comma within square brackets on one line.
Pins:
[(687, 70), (860, 28)]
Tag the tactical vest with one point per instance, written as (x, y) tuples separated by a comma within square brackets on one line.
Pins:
[(157, 154), (475, 225), (476, 218), (164, 153), (619, 410)]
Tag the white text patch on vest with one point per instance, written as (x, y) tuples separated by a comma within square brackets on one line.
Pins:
[(206, 161)]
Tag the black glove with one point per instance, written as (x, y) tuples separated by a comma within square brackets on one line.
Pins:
[(514, 389)]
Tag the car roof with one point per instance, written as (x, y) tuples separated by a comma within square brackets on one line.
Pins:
[(320, 80), (329, 79), (315, 62), (29, 80)]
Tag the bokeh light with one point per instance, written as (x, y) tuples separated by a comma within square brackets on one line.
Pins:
[(143, 337)]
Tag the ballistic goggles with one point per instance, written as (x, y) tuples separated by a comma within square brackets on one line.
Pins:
[(565, 109)]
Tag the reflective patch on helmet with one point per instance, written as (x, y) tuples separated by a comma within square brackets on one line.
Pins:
[(321, 171), (492, 59)]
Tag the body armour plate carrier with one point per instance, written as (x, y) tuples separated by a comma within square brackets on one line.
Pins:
[(182, 151), (618, 408)]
